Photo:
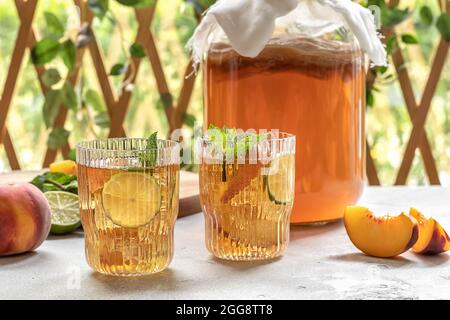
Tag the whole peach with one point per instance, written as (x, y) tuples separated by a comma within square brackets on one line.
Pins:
[(25, 218)]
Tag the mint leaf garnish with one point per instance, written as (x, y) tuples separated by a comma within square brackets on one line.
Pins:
[(233, 143), (150, 155)]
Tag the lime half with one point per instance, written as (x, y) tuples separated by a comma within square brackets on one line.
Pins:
[(65, 211), (280, 180), (131, 199)]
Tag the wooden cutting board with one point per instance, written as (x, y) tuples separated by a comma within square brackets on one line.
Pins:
[(189, 195)]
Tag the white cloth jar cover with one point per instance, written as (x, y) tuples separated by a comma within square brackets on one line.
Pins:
[(249, 24)]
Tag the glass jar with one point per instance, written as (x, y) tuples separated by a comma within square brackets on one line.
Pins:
[(309, 80)]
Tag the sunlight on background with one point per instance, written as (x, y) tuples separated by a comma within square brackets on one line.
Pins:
[(388, 123)]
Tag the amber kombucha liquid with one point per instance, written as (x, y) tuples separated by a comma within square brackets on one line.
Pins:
[(246, 212), (125, 250), (314, 89)]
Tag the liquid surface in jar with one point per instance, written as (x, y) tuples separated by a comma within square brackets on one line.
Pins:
[(312, 88)]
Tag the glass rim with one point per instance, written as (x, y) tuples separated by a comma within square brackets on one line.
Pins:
[(285, 136), (85, 145)]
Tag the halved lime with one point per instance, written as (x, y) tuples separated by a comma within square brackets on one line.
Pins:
[(65, 211), (131, 199), (280, 179)]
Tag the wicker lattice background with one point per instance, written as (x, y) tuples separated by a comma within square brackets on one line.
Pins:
[(118, 104)]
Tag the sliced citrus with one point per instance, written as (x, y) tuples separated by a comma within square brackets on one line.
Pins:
[(131, 199), (280, 180), (65, 211)]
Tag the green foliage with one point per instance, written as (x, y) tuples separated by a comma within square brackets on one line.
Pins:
[(137, 51), (393, 16), (388, 123), (186, 22), (102, 119), (118, 69), (231, 142), (189, 120), (55, 181), (51, 77), (166, 100), (99, 7), (150, 156), (137, 3), (54, 26), (53, 100), (69, 96), (94, 100), (409, 38), (72, 155), (68, 54), (426, 16), (443, 25), (57, 138), (45, 51)]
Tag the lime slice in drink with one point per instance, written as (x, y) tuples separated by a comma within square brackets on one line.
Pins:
[(65, 211), (280, 179), (131, 199)]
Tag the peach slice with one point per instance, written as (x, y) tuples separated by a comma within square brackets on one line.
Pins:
[(432, 237), (383, 237)]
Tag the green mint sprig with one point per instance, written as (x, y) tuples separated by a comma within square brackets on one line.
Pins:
[(150, 155), (233, 143)]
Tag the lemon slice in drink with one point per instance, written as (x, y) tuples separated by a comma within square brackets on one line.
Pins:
[(280, 179), (131, 199), (65, 211)]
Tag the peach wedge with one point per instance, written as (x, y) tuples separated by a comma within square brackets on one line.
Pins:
[(384, 237), (432, 237)]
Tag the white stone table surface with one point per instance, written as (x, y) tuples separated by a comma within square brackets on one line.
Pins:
[(320, 263)]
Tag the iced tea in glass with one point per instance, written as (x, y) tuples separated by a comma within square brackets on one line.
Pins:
[(128, 203), (247, 193)]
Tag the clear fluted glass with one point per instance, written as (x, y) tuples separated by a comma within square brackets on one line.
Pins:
[(128, 204), (247, 201)]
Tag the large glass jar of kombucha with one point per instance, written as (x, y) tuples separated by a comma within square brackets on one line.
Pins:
[(311, 84)]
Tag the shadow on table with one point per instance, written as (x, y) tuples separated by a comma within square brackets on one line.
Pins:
[(396, 262), (433, 261), (22, 257), (74, 235), (164, 280), (242, 265), (302, 232)]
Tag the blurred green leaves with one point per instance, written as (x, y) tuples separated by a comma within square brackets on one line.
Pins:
[(118, 69), (426, 16), (443, 25), (57, 138), (185, 22), (409, 38), (94, 100), (69, 96), (136, 50), (442, 22), (45, 51), (68, 54), (99, 7), (137, 3), (52, 103), (51, 77), (54, 26)]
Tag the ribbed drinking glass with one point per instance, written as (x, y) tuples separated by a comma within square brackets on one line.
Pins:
[(128, 203), (247, 201)]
